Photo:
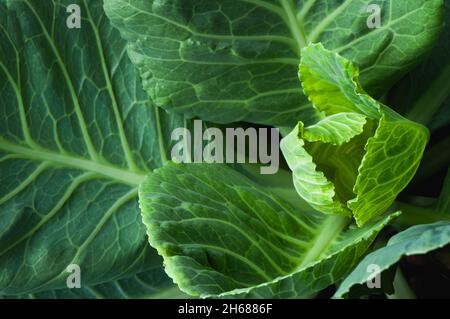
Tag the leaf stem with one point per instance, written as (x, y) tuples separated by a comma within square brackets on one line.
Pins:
[(331, 228), (429, 103), (434, 160), (402, 288), (295, 26), (279, 184), (415, 215), (100, 168)]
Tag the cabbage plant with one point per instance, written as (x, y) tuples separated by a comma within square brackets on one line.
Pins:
[(88, 107)]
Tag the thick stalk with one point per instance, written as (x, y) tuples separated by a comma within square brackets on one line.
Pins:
[(402, 288), (414, 215), (434, 160), (429, 103), (331, 229)]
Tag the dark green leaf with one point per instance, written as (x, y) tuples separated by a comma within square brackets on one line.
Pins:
[(77, 136), (231, 60), (361, 154), (152, 284), (426, 89)]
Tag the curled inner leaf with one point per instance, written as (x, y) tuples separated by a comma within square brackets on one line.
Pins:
[(361, 154)]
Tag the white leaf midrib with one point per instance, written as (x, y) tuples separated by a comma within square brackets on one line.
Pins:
[(56, 159), (295, 26), (115, 105)]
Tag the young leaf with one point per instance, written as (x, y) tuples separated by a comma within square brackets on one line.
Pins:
[(416, 240), (232, 60), (77, 136), (365, 159), (223, 235)]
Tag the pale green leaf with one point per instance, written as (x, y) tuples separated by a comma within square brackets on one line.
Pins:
[(358, 166), (232, 60), (416, 240), (336, 129), (223, 235)]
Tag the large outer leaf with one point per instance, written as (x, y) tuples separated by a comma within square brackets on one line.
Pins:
[(416, 240), (151, 284), (222, 234), (229, 60), (427, 87), (337, 129), (77, 135)]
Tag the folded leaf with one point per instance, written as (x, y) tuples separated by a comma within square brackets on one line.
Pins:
[(311, 184), (77, 136), (233, 60), (331, 83), (336, 129), (391, 160), (361, 154), (416, 240), (223, 235)]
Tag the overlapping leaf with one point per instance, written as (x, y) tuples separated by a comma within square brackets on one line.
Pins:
[(391, 160), (415, 241), (231, 60), (311, 183), (223, 235), (336, 129), (366, 159)]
